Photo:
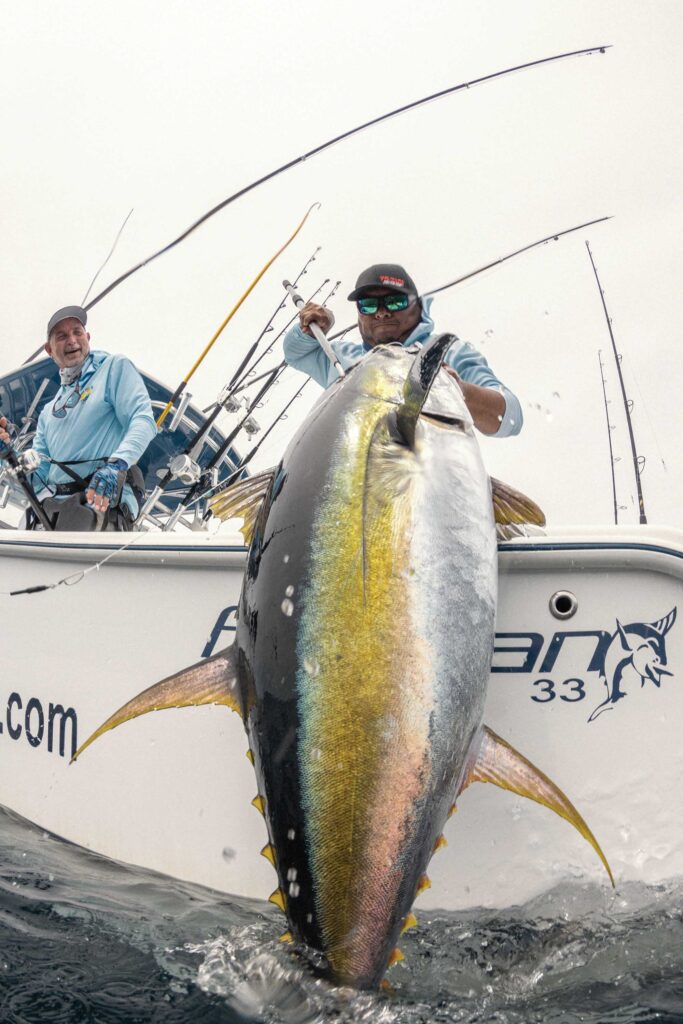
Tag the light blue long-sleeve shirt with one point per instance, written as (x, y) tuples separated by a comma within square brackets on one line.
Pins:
[(111, 420), (304, 353)]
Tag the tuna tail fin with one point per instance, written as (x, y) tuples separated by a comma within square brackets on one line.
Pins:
[(501, 764), (421, 376), (211, 681), (513, 511), (243, 500)]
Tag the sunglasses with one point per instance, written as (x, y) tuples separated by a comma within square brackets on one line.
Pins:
[(392, 303), (60, 410)]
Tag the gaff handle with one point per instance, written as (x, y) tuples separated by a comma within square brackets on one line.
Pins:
[(316, 331)]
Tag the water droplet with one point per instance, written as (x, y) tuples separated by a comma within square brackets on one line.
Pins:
[(294, 889), (309, 918), (548, 415), (311, 666), (291, 834), (316, 754), (285, 558), (228, 853), (287, 607), (291, 875), (556, 394), (289, 591)]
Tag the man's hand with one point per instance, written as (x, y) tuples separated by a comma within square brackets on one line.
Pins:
[(106, 485), (312, 313), (6, 429), (486, 405)]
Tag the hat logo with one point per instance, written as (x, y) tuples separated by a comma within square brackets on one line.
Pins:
[(396, 281)]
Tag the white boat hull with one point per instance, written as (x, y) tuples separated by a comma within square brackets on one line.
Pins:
[(172, 791)]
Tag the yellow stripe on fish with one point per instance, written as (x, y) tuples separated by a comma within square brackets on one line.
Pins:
[(365, 693)]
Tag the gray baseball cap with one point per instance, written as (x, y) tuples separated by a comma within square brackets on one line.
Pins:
[(77, 312), (384, 275)]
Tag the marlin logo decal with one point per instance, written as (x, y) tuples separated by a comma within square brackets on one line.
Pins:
[(637, 650)]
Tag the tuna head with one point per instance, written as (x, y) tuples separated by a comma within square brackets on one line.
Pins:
[(362, 653)]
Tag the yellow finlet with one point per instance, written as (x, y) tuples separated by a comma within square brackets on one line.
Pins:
[(452, 811), (250, 756), (422, 885), (260, 804), (409, 922), (440, 843), (278, 898), (286, 937), (396, 957), (268, 852)]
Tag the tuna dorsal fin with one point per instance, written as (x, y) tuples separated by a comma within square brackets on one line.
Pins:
[(211, 681), (513, 510), (501, 764), (243, 501)]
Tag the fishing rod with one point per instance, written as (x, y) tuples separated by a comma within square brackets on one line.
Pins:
[(316, 330), (224, 484), (184, 466), (609, 436), (638, 461), (587, 51), (16, 468), (330, 294), (183, 384), (205, 474), (269, 325), (239, 379), (494, 263)]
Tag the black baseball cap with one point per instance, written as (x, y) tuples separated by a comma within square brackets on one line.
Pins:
[(77, 312), (384, 275)]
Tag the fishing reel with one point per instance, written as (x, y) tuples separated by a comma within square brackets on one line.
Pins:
[(184, 468)]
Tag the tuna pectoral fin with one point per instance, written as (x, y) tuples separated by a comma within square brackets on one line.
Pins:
[(243, 501), (501, 764), (211, 681), (513, 510)]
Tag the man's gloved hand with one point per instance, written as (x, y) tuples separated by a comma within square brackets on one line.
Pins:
[(29, 460), (106, 485)]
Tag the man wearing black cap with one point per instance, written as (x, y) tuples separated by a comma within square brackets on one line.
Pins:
[(390, 310), (97, 426)]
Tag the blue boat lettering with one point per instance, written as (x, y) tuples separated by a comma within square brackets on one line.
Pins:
[(38, 726), (225, 623), (636, 652)]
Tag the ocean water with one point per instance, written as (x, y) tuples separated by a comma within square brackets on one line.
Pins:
[(83, 939)]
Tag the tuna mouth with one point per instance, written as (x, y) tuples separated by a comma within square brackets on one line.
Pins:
[(441, 420)]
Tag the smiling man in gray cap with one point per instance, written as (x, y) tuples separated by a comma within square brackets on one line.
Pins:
[(95, 428), (391, 311)]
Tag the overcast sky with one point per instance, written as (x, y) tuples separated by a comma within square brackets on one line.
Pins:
[(167, 108)]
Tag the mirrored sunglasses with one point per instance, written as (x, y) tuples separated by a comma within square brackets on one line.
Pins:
[(369, 304)]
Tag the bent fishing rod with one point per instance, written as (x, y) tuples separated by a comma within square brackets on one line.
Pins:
[(494, 263), (638, 460), (586, 51), (183, 384)]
